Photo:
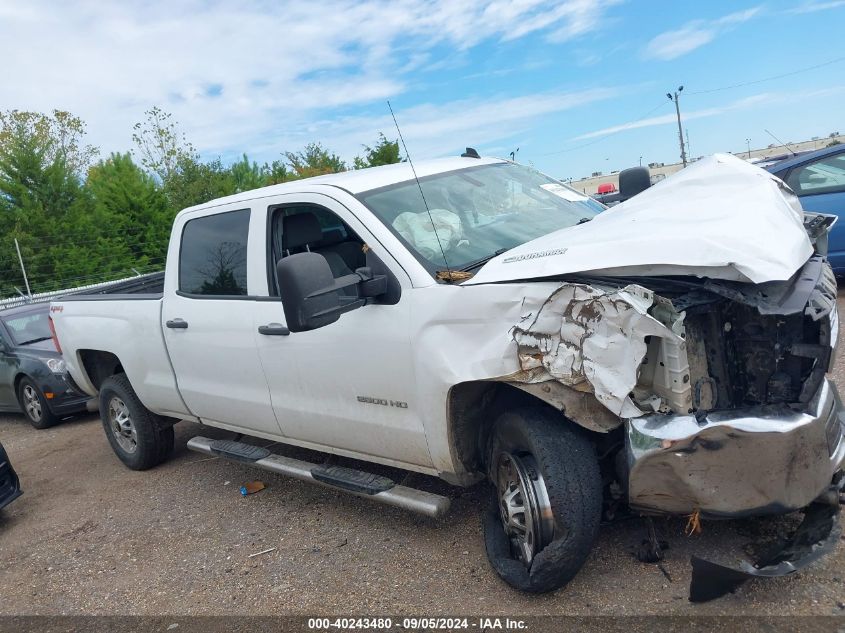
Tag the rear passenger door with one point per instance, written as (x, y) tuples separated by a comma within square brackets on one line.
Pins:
[(207, 320)]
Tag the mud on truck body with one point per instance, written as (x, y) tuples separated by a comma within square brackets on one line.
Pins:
[(669, 355)]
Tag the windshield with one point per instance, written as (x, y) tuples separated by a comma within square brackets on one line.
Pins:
[(478, 212), (28, 328)]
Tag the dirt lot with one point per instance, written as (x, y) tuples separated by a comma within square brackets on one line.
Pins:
[(92, 537)]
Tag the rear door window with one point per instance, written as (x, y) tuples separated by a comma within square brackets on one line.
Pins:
[(212, 258)]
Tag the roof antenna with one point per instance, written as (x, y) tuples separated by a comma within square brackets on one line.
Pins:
[(449, 274), (780, 141)]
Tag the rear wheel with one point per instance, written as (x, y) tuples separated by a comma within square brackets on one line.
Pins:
[(140, 438), (546, 504), (34, 405)]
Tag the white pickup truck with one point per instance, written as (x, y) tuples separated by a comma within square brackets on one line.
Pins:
[(477, 319)]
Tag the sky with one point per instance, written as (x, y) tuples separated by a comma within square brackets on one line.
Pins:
[(576, 86)]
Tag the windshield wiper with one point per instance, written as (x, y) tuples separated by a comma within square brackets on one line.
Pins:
[(36, 340), (480, 262), (584, 220)]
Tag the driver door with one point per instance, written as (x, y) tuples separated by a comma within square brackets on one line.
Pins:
[(354, 387)]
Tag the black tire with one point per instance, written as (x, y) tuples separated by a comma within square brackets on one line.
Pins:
[(151, 443), (34, 405), (568, 466)]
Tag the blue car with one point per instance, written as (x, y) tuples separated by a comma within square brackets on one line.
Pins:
[(818, 179)]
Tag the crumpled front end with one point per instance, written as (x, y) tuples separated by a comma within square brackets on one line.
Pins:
[(764, 433), (768, 459)]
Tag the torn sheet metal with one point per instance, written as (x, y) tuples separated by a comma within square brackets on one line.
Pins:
[(817, 535), (594, 339), (720, 218)]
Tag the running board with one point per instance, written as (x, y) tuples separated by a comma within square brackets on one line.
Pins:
[(359, 483)]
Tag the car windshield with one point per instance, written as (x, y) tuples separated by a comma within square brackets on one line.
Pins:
[(29, 327), (477, 213)]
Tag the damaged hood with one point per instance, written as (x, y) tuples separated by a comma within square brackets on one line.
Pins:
[(720, 218)]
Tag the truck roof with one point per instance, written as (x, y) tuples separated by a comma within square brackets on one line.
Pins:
[(357, 180)]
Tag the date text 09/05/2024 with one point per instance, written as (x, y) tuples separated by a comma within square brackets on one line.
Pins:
[(411, 623)]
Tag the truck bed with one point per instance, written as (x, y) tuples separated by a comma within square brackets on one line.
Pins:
[(127, 325)]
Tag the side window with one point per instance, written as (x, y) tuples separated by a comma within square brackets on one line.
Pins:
[(826, 175), (296, 229), (212, 258)]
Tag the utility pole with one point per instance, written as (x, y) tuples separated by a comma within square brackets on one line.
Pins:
[(748, 145), (680, 129), (23, 270)]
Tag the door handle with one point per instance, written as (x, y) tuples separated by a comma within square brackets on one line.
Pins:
[(273, 329), (177, 324)]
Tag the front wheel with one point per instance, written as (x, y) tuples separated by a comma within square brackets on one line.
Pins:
[(140, 438), (34, 405), (546, 505)]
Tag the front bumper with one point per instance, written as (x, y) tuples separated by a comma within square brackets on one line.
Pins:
[(66, 398), (769, 459), (10, 487)]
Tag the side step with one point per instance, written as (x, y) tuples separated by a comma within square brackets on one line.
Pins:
[(357, 482)]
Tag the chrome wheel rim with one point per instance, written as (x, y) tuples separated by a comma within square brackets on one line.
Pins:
[(32, 403), (524, 505), (122, 427)]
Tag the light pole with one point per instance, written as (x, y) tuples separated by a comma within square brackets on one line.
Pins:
[(641, 161), (513, 155), (748, 145), (680, 130)]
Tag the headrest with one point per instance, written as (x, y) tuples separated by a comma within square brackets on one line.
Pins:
[(332, 236), (300, 229)]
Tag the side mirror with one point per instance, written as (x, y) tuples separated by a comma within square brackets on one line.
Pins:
[(632, 181), (312, 298), (299, 277)]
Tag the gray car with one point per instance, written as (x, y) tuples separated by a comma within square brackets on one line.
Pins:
[(33, 378)]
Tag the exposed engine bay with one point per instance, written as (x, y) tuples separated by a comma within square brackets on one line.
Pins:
[(751, 345)]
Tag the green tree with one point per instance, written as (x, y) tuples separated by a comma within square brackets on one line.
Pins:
[(58, 136), (128, 204), (194, 182), (40, 156), (314, 160), (276, 172), (162, 146), (247, 175), (384, 153)]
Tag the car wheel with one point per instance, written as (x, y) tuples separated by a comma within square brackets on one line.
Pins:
[(34, 405), (140, 438), (547, 497)]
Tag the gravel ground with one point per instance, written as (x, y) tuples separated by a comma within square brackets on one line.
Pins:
[(92, 537)]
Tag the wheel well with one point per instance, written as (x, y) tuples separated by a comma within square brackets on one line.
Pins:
[(473, 407), (17, 382), (99, 365)]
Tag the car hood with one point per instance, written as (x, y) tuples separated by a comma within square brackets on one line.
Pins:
[(720, 218)]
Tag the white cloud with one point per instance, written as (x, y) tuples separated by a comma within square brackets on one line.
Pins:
[(672, 44), (812, 7), (238, 75), (433, 130), (666, 119)]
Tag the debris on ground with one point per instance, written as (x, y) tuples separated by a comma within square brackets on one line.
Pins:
[(264, 551), (251, 487)]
